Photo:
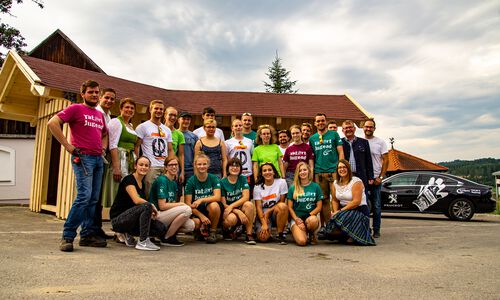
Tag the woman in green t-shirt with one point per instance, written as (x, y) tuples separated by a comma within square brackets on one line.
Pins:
[(202, 193), (267, 151), (173, 213), (304, 204), (238, 209)]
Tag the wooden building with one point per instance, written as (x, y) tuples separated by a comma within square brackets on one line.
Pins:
[(33, 88)]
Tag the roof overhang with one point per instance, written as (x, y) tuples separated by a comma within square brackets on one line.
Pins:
[(20, 90)]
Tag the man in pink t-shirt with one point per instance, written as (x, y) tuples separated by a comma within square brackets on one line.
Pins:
[(87, 141)]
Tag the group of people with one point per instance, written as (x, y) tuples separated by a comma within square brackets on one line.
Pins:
[(161, 179)]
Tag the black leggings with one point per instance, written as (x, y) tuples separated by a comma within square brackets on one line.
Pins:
[(137, 221)]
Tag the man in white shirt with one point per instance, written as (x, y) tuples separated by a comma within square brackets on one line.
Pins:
[(155, 141), (209, 113), (106, 102), (379, 153)]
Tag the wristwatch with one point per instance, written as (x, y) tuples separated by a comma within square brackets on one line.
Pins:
[(381, 177)]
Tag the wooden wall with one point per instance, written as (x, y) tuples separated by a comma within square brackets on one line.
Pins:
[(42, 164)]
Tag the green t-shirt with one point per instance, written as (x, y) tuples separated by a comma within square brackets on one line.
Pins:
[(199, 189), (306, 202), (251, 135), (326, 156), (268, 153), (163, 188), (233, 192), (177, 139)]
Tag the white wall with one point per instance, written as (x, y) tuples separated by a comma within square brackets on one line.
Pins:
[(20, 168)]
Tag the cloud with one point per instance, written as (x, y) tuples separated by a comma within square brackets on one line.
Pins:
[(428, 70)]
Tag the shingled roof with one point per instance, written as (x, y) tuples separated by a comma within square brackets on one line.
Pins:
[(68, 79), (400, 161)]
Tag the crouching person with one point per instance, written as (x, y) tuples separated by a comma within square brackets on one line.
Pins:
[(131, 214), (238, 210), (269, 196), (202, 194), (174, 214), (304, 203)]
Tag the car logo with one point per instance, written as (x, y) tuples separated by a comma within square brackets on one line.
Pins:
[(393, 198)]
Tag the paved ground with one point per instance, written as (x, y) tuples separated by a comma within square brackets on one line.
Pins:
[(417, 257)]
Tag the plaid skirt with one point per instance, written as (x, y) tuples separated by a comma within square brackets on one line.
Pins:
[(353, 223)]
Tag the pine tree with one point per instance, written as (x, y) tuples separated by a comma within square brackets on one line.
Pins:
[(279, 77)]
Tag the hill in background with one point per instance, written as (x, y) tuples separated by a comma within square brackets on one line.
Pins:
[(478, 170)]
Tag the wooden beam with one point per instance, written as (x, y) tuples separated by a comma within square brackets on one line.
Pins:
[(18, 109), (40, 90), (9, 82)]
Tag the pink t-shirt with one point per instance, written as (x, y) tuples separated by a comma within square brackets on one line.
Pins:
[(87, 126), (297, 153)]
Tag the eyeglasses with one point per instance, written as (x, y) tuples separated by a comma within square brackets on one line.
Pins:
[(173, 165), (321, 139), (246, 114)]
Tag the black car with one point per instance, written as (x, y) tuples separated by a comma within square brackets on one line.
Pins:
[(430, 192)]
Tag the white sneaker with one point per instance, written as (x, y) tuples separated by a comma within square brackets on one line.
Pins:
[(146, 245)]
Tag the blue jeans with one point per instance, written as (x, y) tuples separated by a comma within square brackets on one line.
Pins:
[(376, 205), (88, 190)]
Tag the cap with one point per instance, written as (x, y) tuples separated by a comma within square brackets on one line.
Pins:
[(185, 114)]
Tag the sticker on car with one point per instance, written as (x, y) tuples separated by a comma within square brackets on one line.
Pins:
[(430, 193)]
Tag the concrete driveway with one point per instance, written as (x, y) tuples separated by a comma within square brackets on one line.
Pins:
[(418, 256)]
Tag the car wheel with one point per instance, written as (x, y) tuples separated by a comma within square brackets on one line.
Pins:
[(461, 210)]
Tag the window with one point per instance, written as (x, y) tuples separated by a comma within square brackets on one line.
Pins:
[(404, 179), (8, 163)]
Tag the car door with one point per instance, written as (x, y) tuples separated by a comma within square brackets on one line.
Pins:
[(399, 192), (432, 189)]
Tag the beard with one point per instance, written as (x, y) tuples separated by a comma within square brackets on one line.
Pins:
[(91, 104)]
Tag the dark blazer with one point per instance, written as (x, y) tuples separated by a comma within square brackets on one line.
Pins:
[(363, 157)]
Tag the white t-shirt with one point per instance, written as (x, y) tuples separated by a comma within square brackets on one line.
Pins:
[(378, 148), (155, 141), (243, 150), (344, 193), (200, 132), (270, 195), (107, 116)]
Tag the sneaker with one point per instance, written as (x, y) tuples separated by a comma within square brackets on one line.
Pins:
[(205, 231), (238, 231), (92, 241), (282, 239), (171, 242), (322, 234), (250, 240), (212, 238), (146, 245), (129, 240), (66, 245), (376, 234)]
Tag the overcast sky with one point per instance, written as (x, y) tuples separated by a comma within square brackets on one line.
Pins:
[(429, 71)]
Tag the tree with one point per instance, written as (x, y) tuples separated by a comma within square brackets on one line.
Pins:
[(279, 77), (11, 37)]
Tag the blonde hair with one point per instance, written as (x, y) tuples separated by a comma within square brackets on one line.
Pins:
[(299, 189), (198, 156), (258, 140), (209, 121)]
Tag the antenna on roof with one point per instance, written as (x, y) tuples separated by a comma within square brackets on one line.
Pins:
[(392, 142)]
